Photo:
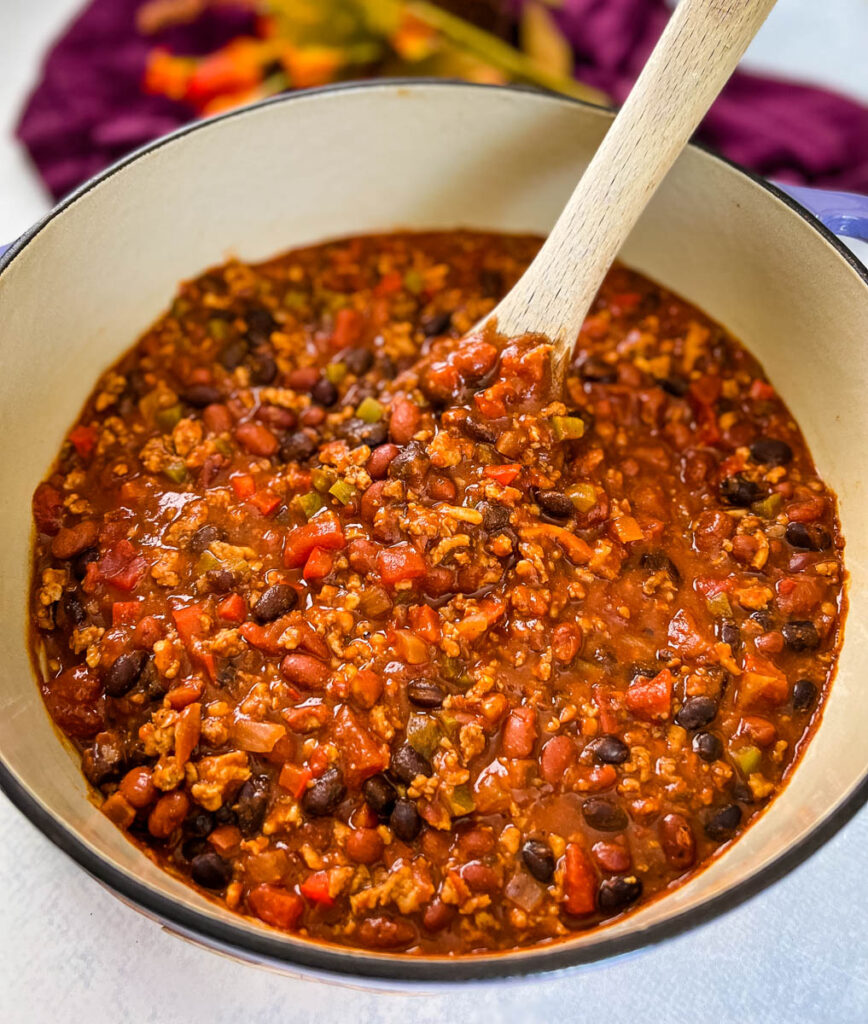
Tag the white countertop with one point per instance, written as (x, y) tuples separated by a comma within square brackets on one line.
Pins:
[(70, 952)]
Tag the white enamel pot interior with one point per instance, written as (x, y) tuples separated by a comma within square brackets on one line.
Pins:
[(79, 288)]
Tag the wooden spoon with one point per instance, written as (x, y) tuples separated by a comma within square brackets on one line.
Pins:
[(690, 64)]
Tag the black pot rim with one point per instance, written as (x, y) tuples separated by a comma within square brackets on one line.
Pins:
[(344, 963)]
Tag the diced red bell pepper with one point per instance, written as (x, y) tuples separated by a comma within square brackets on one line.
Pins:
[(761, 391), (243, 485), (265, 501), (232, 608), (263, 638), (185, 694), (188, 621), (709, 587), (323, 531), (83, 439), (121, 566), (294, 778), (399, 563), (125, 613), (318, 565), (504, 475), (580, 882), (490, 404), (348, 328), (389, 284), (275, 905), (650, 698), (762, 683), (316, 889), (361, 755), (47, 509)]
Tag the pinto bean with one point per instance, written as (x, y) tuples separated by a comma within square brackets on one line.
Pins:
[(169, 812), (677, 842)]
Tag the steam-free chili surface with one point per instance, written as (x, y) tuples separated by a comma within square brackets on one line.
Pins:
[(360, 631)]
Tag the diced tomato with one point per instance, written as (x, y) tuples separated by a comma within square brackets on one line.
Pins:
[(83, 439), (762, 683), (121, 566), (263, 638), (799, 595), (580, 882), (232, 608), (188, 621), (399, 563), (275, 905), (366, 687), (627, 530), (348, 328), (504, 475), (489, 404), (316, 889), (761, 391), (709, 587), (185, 694), (323, 531), (410, 648), (307, 718), (389, 284), (47, 509), (294, 778), (425, 622), (684, 635), (361, 754), (318, 565), (265, 501), (147, 632), (226, 839), (125, 613), (650, 698), (319, 760), (705, 390), (243, 485)]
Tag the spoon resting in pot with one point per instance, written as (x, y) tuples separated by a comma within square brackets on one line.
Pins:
[(692, 61)]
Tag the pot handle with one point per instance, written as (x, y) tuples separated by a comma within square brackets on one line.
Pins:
[(843, 213)]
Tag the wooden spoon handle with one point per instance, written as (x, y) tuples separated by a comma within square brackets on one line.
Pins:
[(692, 61)]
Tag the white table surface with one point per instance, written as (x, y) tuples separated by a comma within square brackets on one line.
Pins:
[(70, 952)]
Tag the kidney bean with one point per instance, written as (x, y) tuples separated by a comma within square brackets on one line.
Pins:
[(305, 671), (233, 354), (138, 789), (611, 857), (557, 755), (677, 842), (440, 487), (71, 540), (566, 642), (275, 601), (380, 460), (325, 794), (217, 419), (385, 933), (276, 417), (437, 915), (256, 438), (168, 813), (364, 845), (519, 733), (404, 420), (480, 877), (372, 501)]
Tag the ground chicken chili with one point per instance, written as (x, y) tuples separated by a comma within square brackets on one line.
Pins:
[(364, 635)]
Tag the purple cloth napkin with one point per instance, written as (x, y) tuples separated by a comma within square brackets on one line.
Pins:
[(89, 109)]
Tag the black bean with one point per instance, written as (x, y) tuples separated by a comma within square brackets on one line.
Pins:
[(356, 360), (810, 538), (539, 860), (411, 462), (555, 504), (603, 815), (491, 282), (737, 490), (801, 636), (275, 601), (763, 618), (616, 894), (656, 561), (200, 824), (263, 368), (191, 848), (696, 712), (325, 794), (234, 354), (200, 395), (730, 634), (478, 431), (674, 385), (219, 581), (105, 760), (707, 746), (81, 561), (387, 367), (260, 321), (380, 794), (405, 821), (251, 804), (209, 870), (225, 815), (494, 517), (324, 392), (723, 823), (204, 537), (124, 673), (407, 763), (804, 694), (639, 671), (425, 694), (154, 685), (73, 609), (297, 447), (609, 750), (436, 324), (771, 452), (358, 432), (597, 370)]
